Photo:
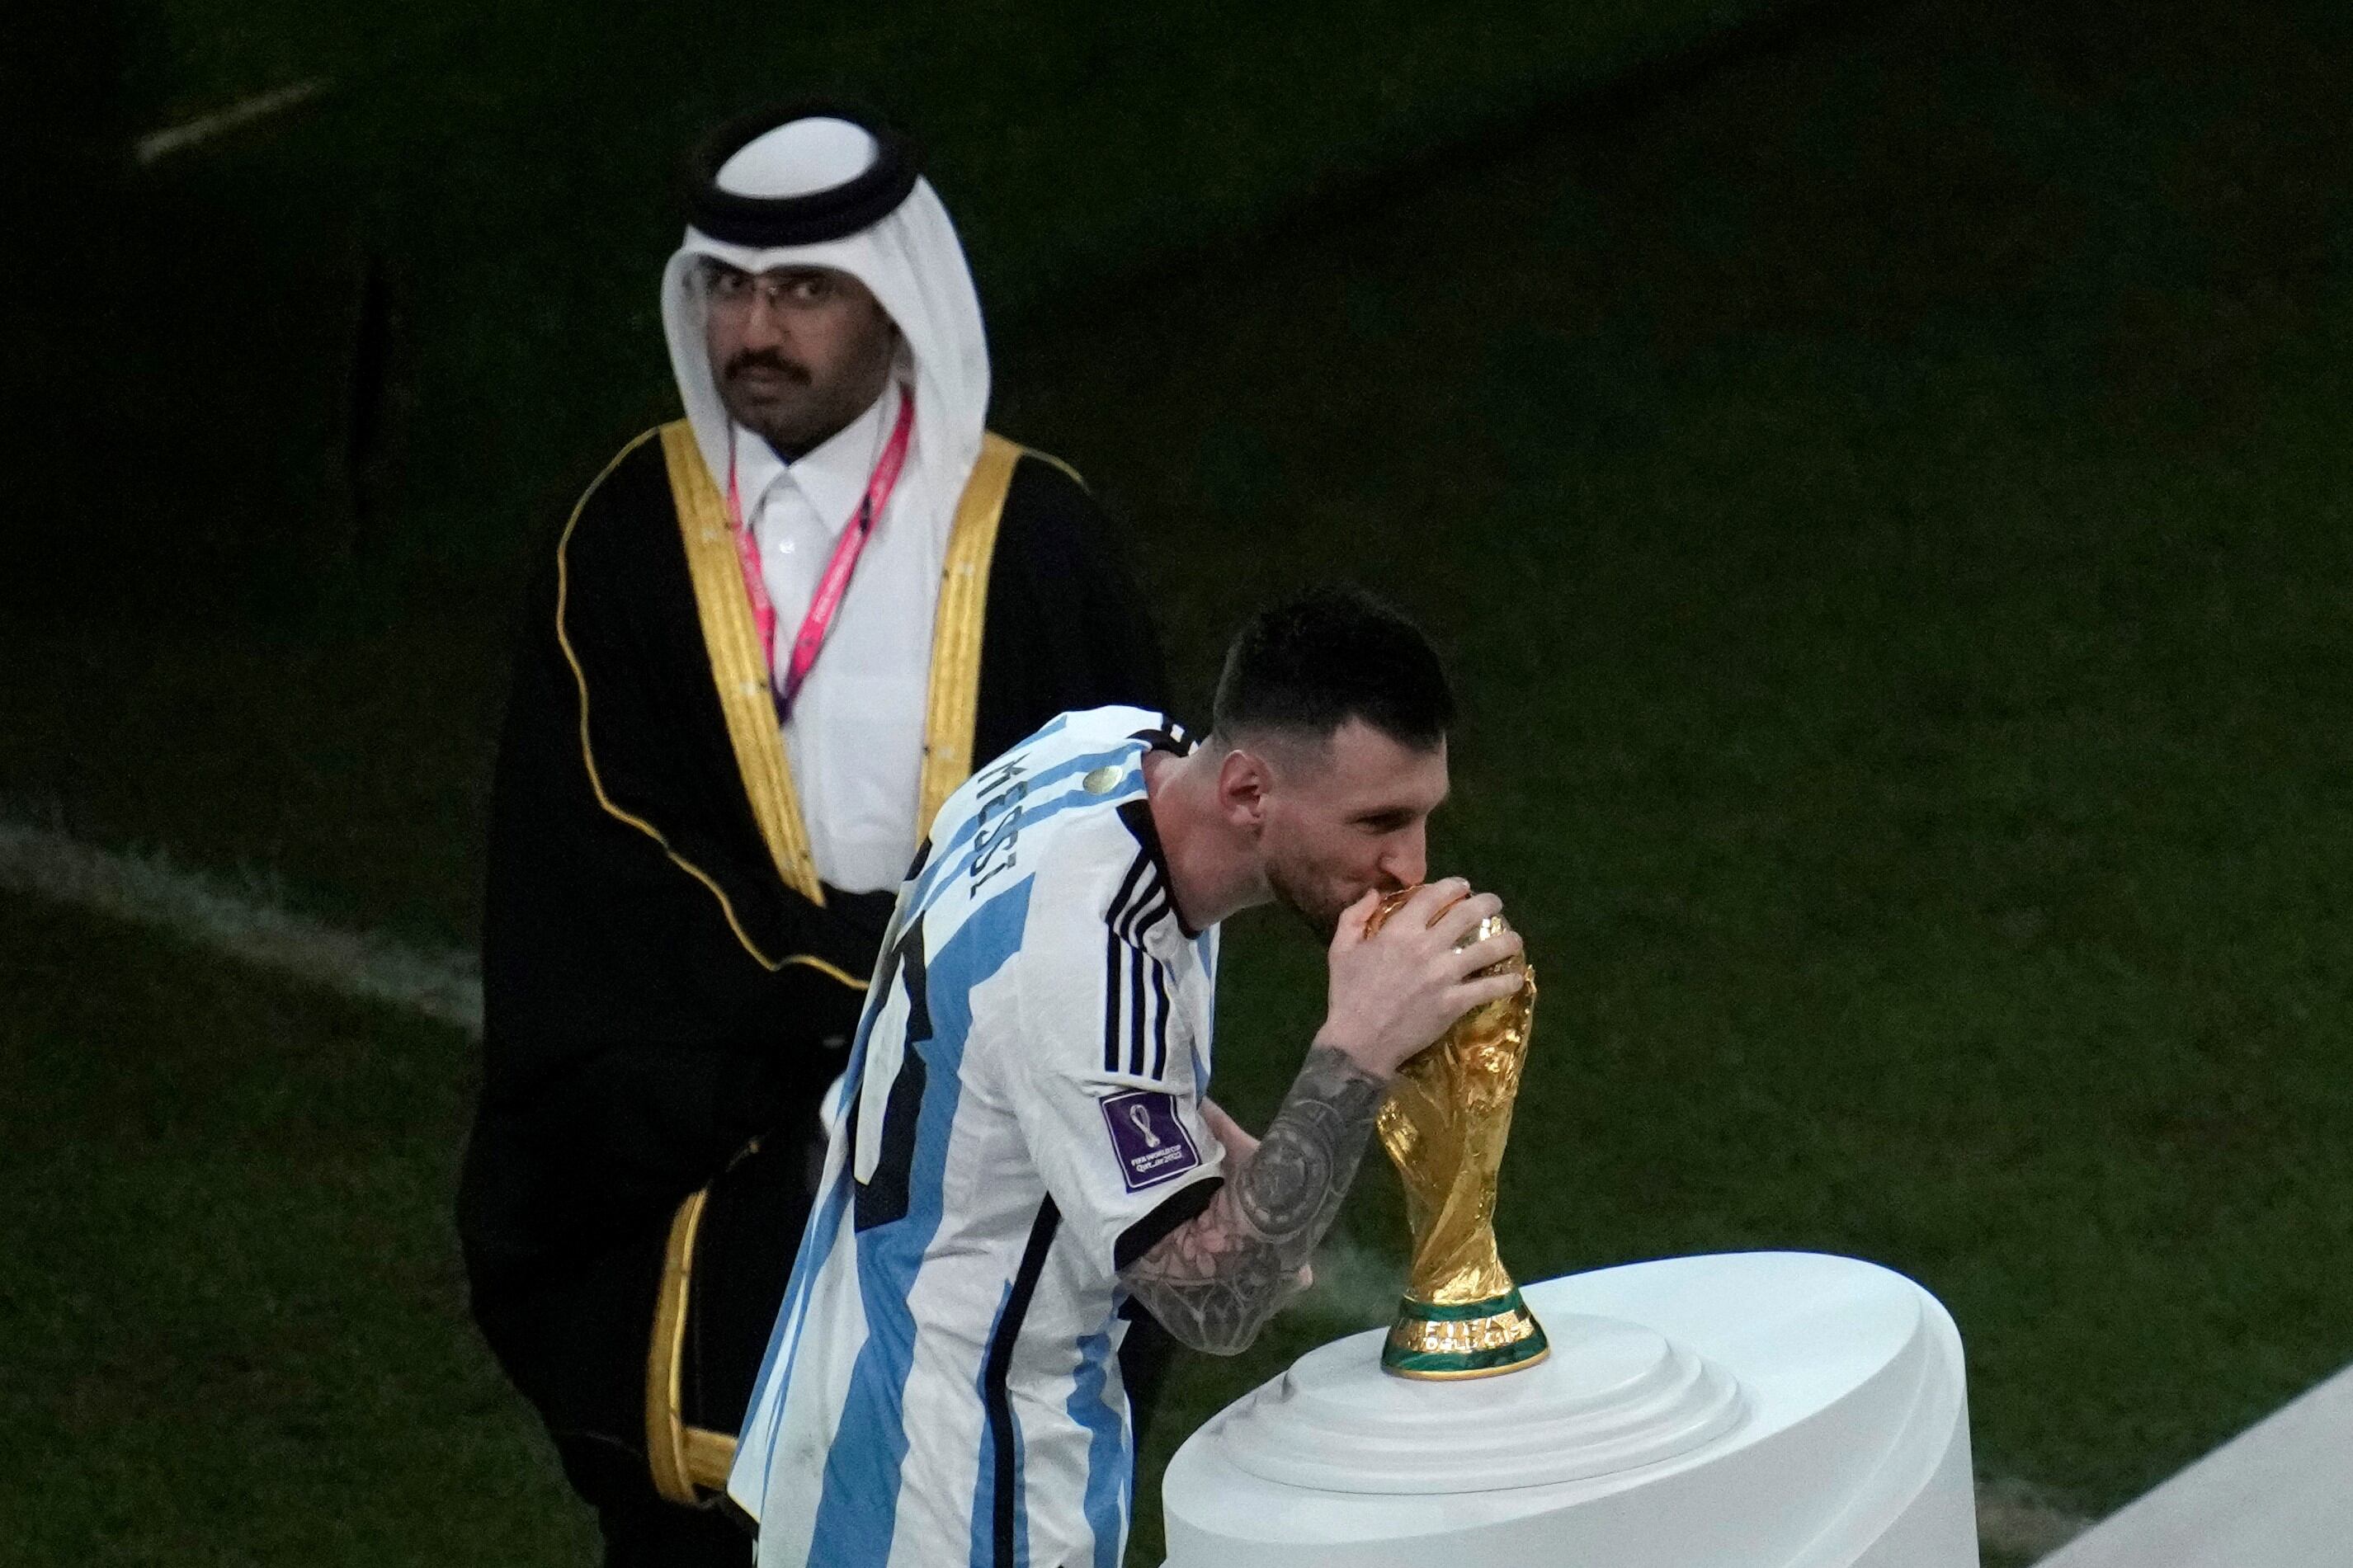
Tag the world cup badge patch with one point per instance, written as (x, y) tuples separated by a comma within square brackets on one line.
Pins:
[(1152, 1143)]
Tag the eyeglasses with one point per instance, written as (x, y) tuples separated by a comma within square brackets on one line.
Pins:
[(733, 291)]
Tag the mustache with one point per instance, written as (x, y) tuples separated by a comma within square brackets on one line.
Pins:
[(766, 359)]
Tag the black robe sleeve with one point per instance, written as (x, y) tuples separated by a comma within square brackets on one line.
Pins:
[(633, 1041), (1067, 629)]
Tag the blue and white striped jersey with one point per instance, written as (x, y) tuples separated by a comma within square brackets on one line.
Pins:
[(1018, 1120)]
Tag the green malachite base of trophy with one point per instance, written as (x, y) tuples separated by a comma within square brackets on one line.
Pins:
[(1444, 1124), (1471, 1339)]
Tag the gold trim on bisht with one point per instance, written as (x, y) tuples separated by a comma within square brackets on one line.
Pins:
[(740, 670), (962, 614), (683, 1458), (739, 666), (689, 1462), (1444, 1124), (588, 750)]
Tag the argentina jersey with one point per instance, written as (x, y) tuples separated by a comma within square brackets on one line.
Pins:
[(1019, 1119)]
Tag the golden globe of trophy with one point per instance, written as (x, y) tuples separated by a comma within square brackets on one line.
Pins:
[(1444, 1125)]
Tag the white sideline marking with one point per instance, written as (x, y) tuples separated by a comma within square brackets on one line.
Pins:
[(1354, 1287), (446, 986), (158, 144), (2278, 1495)]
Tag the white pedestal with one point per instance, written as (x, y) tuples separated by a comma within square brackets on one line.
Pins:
[(1755, 1410)]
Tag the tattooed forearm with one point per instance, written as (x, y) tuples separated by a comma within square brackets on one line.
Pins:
[(1216, 1280)]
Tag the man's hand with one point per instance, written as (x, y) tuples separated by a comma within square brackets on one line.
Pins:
[(1395, 992), (1215, 1278), (1238, 1146)]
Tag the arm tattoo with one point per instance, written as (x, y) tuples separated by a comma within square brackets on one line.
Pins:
[(1214, 1280)]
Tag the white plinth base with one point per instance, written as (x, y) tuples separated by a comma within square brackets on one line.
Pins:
[(1758, 1410), (1610, 1397)]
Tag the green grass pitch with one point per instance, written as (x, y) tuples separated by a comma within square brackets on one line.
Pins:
[(1886, 505)]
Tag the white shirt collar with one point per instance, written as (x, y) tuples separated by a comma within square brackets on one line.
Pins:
[(831, 476)]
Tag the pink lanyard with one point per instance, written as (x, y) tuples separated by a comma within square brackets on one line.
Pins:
[(818, 623)]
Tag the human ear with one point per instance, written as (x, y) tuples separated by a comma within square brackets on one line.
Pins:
[(1243, 781)]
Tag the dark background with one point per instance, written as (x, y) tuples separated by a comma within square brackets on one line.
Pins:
[(1878, 469)]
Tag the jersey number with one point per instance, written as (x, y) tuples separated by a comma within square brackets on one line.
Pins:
[(884, 1198)]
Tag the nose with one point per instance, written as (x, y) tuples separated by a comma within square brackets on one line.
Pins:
[(1405, 860), (763, 325), (763, 328)]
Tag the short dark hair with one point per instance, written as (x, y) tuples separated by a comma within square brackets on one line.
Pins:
[(1311, 664)]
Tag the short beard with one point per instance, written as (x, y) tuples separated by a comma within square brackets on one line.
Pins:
[(1324, 921)]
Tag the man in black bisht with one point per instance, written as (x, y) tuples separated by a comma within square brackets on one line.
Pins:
[(769, 641)]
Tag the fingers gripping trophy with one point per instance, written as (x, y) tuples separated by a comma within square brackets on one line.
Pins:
[(1445, 1122)]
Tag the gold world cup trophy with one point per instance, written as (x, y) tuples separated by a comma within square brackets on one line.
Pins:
[(1444, 1125)]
